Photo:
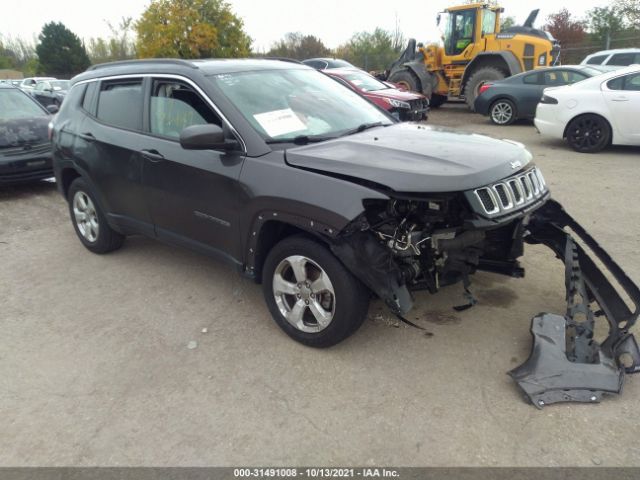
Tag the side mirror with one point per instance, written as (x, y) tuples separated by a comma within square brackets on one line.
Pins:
[(205, 137), (53, 109)]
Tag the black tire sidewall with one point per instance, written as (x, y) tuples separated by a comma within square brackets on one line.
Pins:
[(104, 241), (351, 297), (482, 74)]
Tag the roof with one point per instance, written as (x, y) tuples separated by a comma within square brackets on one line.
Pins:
[(615, 50), (174, 65)]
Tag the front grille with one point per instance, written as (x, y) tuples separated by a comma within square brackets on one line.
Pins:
[(511, 194), (26, 150)]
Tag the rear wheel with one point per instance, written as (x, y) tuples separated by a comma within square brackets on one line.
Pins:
[(310, 294), (477, 79), (502, 112), (89, 221), (588, 133)]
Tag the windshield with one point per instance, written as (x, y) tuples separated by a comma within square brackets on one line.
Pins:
[(365, 82), (60, 84), (284, 104), (15, 104)]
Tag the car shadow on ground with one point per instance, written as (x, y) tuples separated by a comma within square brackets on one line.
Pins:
[(14, 192)]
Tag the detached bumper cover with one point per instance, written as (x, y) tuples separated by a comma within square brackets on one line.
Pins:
[(566, 363)]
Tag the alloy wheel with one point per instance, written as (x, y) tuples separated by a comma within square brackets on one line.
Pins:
[(501, 113), (86, 218), (304, 294), (587, 133)]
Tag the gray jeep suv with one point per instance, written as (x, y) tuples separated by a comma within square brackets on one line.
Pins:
[(308, 188)]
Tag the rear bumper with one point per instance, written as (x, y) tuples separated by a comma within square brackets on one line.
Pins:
[(481, 105)]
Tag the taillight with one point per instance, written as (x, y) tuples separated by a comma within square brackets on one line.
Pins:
[(484, 88)]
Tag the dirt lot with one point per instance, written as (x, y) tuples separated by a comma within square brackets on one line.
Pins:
[(95, 367)]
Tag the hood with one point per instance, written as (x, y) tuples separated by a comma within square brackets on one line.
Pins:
[(24, 131), (411, 157), (395, 94)]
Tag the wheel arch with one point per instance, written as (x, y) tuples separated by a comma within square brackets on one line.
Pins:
[(67, 176), (582, 114), (505, 61)]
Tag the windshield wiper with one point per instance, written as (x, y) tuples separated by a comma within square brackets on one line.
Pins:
[(301, 139), (366, 126)]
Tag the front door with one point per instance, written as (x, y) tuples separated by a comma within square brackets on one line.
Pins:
[(192, 195), (622, 95)]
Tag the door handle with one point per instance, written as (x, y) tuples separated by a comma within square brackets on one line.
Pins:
[(88, 136), (620, 99), (153, 155)]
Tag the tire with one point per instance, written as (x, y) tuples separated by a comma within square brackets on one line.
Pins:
[(337, 297), (503, 112), (437, 100), (89, 220), (588, 133), (477, 79), (406, 79)]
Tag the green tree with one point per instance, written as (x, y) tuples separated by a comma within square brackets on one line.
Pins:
[(60, 51), (630, 10), (299, 46), (604, 23), (506, 22), (191, 29), (372, 50)]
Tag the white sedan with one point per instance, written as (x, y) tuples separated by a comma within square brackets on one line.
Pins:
[(594, 113)]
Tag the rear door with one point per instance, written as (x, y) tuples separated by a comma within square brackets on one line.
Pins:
[(529, 94), (110, 137), (622, 95), (193, 195)]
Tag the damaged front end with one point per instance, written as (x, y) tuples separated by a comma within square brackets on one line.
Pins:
[(414, 242)]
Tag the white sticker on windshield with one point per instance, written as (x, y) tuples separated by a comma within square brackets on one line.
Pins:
[(279, 122)]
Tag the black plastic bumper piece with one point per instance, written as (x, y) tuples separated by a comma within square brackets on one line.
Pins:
[(566, 363), (549, 377)]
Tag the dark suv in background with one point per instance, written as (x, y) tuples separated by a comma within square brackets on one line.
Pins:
[(318, 194)]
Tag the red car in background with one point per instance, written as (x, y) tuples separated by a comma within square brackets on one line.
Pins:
[(401, 104)]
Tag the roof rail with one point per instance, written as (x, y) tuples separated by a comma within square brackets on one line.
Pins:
[(147, 61), (281, 59)]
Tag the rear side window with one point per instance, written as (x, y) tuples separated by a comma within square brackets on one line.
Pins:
[(89, 96), (597, 60), (628, 82), (562, 77), (622, 59), (533, 79), (120, 104)]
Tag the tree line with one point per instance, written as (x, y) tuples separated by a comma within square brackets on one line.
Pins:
[(210, 28)]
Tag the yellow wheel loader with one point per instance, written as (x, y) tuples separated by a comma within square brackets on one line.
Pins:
[(474, 52)]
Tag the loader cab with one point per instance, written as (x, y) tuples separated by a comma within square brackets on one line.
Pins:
[(467, 25)]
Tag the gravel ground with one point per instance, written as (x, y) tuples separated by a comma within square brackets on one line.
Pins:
[(96, 369)]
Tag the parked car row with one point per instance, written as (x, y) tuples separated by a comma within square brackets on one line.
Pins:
[(585, 105), (47, 90)]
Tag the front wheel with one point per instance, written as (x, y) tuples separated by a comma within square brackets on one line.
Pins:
[(476, 80), (406, 80), (588, 133), (311, 295)]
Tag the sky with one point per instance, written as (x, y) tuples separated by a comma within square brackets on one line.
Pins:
[(266, 21)]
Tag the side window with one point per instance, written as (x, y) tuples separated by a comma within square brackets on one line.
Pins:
[(597, 60), (120, 104), (632, 82), (488, 22), (573, 77), (621, 59), (175, 106), (533, 79), (616, 84), (89, 94), (314, 64)]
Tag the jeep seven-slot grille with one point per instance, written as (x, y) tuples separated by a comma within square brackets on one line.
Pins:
[(512, 193)]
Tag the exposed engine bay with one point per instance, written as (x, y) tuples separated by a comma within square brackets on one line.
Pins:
[(412, 243)]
